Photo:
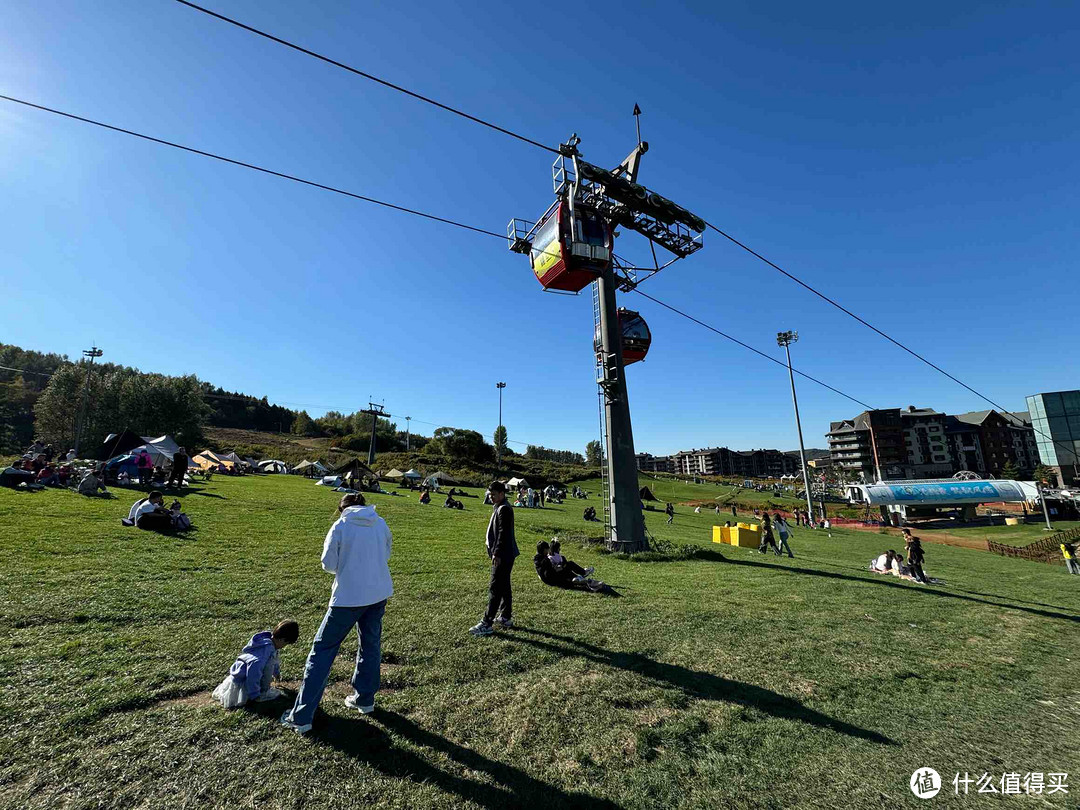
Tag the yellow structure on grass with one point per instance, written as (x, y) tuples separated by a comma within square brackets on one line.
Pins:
[(741, 534)]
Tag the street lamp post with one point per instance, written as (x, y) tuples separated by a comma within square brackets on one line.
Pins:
[(408, 431), (785, 339), (92, 353), (498, 449)]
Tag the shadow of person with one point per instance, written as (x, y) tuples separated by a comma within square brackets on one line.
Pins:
[(697, 684), (879, 580), (371, 741)]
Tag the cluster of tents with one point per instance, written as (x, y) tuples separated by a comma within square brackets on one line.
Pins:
[(119, 451)]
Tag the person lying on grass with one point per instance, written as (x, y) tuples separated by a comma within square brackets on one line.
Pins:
[(567, 574), (257, 667)]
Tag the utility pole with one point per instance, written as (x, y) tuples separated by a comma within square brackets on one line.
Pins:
[(408, 426), (375, 411), (1046, 512), (92, 352), (785, 339), (498, 449)]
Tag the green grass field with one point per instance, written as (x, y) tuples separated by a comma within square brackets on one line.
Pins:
[(729, 680)]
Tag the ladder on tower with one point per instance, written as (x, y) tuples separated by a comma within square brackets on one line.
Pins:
[(605, 483)]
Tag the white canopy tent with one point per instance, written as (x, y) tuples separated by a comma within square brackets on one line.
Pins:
[(514, 483), (413, 474), (272, 465)]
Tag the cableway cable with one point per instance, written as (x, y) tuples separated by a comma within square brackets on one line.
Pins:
[(365, 75), (252, 166)]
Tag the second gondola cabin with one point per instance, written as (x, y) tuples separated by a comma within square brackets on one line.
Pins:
[(569, 252), (636, 337)]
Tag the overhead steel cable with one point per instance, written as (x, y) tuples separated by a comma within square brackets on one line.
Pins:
[(252, 166), (366, 75), (364, 198), (865, 323), (751, 348)]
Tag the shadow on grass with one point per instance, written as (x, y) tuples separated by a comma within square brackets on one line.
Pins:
[(913, 588), (972, 593), (699, 684), (370, 741)]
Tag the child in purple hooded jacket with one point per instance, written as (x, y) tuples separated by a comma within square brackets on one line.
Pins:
[(256, 667)]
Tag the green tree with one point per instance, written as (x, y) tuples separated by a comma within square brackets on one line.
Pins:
[(1044, 473), (594, 453), (304, 425), (1009, 471), (500, 440), (460, 444)]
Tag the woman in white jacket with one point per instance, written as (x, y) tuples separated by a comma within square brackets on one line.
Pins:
[(357, 553)]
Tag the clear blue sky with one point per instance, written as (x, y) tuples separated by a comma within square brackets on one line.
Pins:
[(918, 162)]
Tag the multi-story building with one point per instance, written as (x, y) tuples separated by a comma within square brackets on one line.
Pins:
[(872, 441), (647, 462), (934, 444), (723, 461), (1056, 418)]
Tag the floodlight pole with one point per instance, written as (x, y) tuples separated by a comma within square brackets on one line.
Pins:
[(408, 426), (92, 352), (785, 339), (498, 449)]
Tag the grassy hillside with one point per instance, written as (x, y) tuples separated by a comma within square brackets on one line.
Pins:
[(728, 680)]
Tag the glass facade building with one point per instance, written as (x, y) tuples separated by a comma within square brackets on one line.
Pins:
[(1056, 420)]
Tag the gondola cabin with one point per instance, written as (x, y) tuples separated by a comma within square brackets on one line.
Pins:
[(568, 255), (636, 337)]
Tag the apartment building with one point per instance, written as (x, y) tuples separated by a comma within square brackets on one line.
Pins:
[(723, 461)]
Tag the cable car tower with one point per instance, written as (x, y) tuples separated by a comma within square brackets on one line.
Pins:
[(571, 246)]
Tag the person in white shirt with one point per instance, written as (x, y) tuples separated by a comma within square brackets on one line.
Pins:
[(357, 553), (150, 514)]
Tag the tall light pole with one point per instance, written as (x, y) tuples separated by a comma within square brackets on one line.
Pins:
[(785, 339), (408, 430), (92, 353), (498, 449)]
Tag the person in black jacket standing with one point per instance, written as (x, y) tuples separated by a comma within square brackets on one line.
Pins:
[(502, 549)]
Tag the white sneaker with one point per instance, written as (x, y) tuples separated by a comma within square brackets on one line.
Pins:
[(286, 720), (481, 629), (353, 702), (505, 624), (589, 570)]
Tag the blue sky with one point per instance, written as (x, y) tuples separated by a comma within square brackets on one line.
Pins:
[(918, 162)]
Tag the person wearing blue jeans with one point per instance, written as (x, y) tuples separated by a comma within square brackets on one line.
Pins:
[(357, 553)]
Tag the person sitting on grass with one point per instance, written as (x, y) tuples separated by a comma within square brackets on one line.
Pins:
[(562, 577), (589, 514), (257, 667), (885, 563), (93, 482), (425, 496), (560, 562), (151, 515), (47, 476)]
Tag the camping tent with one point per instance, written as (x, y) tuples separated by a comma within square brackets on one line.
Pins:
[(161, 449), (646, 495), (440, 478), (118, 444), (123, 463), (272, 465), (208, 459), (514, 483), (306, 467), (394, 473), (355, 470), (412, 474), (252, 463), (231, 458)]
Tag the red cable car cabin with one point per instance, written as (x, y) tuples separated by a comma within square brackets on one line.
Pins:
[(570, 264), (636, 337)]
